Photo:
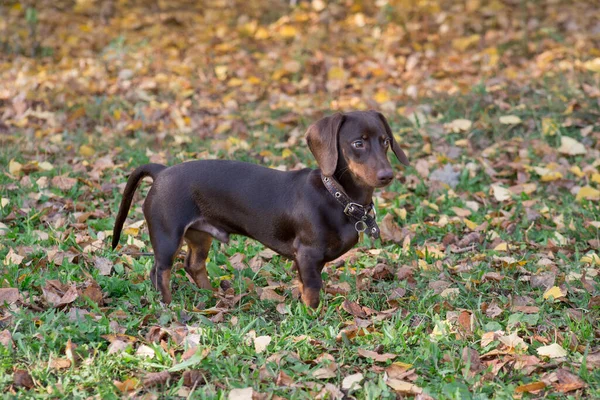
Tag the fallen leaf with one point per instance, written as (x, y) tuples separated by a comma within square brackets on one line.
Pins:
[(323, 373), (12, 258), (571, 147), (261, 343), (549, 127), (103, 265), (353, 308), (129, 385), (555, 292), (530, 387), (270, 295), (588, 193), (156, 378), (500, 193), (459, 125), (352, 382), (21, 378), (376, 356), (404, 387), (553, 350), (510, 120), (6, 339), (9, 296)]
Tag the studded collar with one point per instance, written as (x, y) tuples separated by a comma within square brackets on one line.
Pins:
[(364, 215)]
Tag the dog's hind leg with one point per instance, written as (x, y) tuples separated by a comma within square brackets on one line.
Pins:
[(195, 261), (165, 248)]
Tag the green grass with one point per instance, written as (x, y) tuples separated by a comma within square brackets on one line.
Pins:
[(301, 336)]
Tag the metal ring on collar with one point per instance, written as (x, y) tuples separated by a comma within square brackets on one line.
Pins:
[(360, 226)]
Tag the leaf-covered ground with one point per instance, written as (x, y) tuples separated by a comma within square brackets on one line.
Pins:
[(485, 284)]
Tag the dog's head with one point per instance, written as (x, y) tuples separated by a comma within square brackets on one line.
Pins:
[(358, 141)]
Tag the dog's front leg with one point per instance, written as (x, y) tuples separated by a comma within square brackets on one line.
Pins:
[(310, 264)]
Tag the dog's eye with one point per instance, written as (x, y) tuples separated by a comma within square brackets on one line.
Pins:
[(387, 142), (358, 144)]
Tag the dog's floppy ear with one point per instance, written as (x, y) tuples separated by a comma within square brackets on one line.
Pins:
[(395, 147), (322, 139)]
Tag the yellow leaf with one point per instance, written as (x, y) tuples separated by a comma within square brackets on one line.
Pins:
[(549, 127), (501, 247), (470, 224), (4, 202), (588, 193), (595, 177), (286, 153), (401, 213), (591, 258), (510, 120), (381, 96), (336, 73), (592, 65), (553, 350), (86, 151), (46, 166), (14, 167), (462, 44), (575, 170), (571, 146), (459, 125), (221, 72), (288, 31), (500, 193), (555, 292)]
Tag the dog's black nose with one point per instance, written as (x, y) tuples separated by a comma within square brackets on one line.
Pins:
[(385, 176)]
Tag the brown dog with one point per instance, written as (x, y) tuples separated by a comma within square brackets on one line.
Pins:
[(309, 216)]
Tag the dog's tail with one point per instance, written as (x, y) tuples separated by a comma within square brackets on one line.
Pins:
[(136, 176)]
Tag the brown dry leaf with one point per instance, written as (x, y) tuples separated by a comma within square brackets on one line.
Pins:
[(354, 309), (9, 296), (404, 387), (390, 230), (530, 387), (237, 261), (13, 258), (282, 309), (348, 332), (156, 378), (284, 379), (336, 289), (6, 339), (103, 265), (466, 322), (381, 271), (22, 379), (93, 292), (563, 380), (323, 373), (63, 182), (129, 385), (270, 295), (60, 363), (376, 356), (194, 378), (58, 295)]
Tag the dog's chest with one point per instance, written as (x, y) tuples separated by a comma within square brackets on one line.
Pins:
[(341, 240)]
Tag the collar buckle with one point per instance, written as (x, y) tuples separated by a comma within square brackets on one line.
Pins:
[(351, 207)]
